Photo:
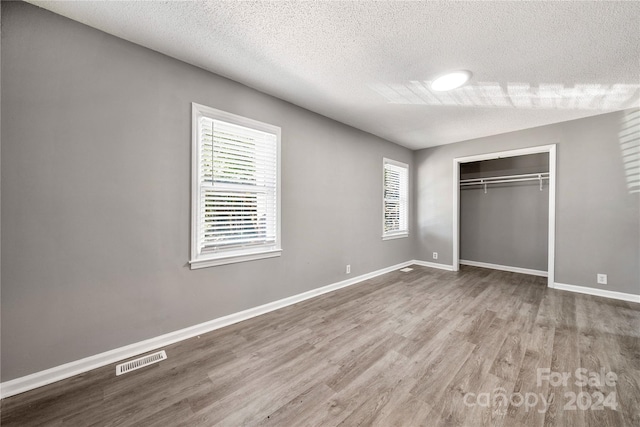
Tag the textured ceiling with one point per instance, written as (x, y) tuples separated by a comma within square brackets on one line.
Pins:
[(368, 64)]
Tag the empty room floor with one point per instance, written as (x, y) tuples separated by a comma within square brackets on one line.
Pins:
[(425, 347)]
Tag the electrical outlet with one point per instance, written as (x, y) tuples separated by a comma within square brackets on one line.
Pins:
[(348, 268), (435, 255), (602, 279)]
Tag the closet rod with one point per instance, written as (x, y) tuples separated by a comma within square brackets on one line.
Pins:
[(505, 178)]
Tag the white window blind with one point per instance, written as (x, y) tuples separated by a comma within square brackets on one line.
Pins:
[(395, 221), (237, 200)]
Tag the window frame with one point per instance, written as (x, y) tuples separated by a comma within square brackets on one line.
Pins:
[(203, 260), (399, 234)]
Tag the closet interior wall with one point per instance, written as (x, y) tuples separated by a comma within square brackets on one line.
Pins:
[(508, 224)]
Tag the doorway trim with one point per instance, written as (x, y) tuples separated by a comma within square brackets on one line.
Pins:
[(551, 149)]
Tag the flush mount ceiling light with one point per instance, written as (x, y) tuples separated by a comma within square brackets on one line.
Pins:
[(451, 81)]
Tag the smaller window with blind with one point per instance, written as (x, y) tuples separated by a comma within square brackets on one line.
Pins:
[(235, 188), (395, 201)]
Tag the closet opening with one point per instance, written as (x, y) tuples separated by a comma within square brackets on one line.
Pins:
[(504, 211)]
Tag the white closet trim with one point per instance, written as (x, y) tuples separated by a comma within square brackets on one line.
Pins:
[(551, 149)]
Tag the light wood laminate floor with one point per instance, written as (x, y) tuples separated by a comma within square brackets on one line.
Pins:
[(427, 347)]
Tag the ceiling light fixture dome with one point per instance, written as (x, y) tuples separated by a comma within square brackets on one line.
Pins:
[(451, 80)]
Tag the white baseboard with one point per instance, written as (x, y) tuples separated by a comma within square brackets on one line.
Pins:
[(432, 265), (505, 268), (597, 292), (57, 373)]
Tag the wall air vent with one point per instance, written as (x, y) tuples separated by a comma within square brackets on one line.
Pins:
[(141, 362)]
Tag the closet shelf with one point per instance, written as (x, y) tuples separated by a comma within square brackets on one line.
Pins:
[(505, 179)]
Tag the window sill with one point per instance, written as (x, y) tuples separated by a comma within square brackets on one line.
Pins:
[(232, 259), (395, 236)]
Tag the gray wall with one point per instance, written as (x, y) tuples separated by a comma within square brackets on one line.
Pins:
[(95, 195), (597, 218), (1, 8), (509, 224)]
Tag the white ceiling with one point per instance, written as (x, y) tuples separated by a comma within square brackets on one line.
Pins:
[(368, 64)]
